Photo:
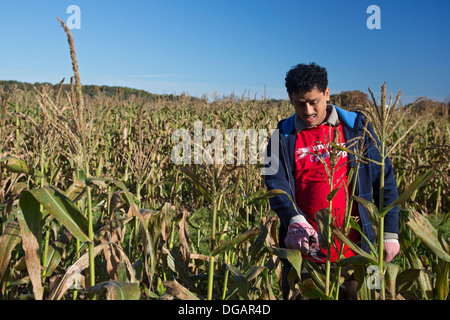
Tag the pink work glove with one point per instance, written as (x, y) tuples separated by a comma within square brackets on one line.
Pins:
[(391, 249), (298, 235)]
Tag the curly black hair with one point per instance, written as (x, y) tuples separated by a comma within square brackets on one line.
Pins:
[(304, 78)]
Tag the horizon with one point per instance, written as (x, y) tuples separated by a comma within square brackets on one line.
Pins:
[(213, 98), (241, 48)]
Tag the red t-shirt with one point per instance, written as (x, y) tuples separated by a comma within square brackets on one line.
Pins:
[(311, 180)]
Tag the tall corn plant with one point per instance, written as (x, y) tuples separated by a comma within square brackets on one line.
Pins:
[(380, 116), (78, 133), (326, 223), (76, 128)]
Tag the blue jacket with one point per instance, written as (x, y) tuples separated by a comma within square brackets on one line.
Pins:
[(367, 184)]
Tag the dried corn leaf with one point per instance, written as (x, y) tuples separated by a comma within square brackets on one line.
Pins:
[(117, 290), (428, 234), (58, 290), (183, 236), (8, 241), (178, 291), (13, 164), (177, 265), (30, 218), (391, 277)]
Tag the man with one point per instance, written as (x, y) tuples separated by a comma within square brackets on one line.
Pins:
[(304, 150)]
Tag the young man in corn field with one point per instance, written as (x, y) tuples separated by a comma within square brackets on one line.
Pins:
[(304, 150)]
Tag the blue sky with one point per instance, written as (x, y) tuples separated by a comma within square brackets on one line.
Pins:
[(224, 47)]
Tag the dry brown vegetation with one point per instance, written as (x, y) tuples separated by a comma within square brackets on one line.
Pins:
[(94, 207)]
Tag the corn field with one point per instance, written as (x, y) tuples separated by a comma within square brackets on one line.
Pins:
[(94, 207)]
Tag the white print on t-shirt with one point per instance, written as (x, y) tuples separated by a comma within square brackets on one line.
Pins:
[(303, 152), (313, 157)]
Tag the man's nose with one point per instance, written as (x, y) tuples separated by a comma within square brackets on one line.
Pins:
[(309, 109)]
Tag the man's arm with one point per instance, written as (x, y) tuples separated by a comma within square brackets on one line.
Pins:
[(299, 231), (283, 205)]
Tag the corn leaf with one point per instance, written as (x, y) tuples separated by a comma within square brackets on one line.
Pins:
[(257, 196), (177, 290), (391, 276), (356, 260), (292, 255), (356, 226), (321, 218), (240, 280), (442, 283), (423, 229), (75, 190), (310, 289), (316, 274), (423, 280), (239, 239), (331, 195), (117, 290), (358, 156), (30, 217), (59, 206), (177, 265), (8, 241), (63, 284), (372, 211), (203, 189), (55, 252), (406, 278), (343, 238), (415, 185), (13, 164)]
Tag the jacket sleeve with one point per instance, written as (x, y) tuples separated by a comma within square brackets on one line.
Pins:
[(283, 205), (390, 191)]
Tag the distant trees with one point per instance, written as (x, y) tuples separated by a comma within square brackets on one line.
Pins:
[(91, 90), (431, 107), (349, 99), (345, 99)]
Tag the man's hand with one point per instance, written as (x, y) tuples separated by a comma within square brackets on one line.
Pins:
[(298, 235), (391, 249)]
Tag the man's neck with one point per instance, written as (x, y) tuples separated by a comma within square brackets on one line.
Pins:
[(331, 118)]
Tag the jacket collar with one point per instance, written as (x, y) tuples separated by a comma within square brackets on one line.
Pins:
[(332, 119), (287, 126)]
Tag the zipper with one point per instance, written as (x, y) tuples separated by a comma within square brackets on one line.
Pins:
[(287, 172)]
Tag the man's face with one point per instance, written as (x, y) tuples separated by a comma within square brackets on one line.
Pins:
[(311, 106)]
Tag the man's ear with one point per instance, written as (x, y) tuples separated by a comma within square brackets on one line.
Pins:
[(327, 94), (290, 98)]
